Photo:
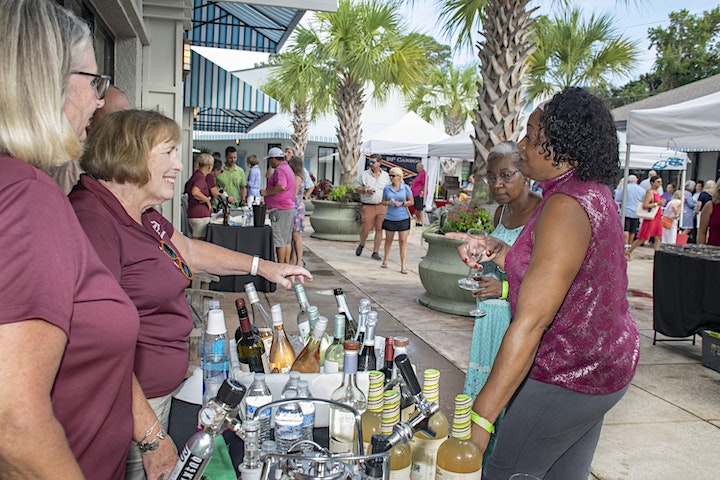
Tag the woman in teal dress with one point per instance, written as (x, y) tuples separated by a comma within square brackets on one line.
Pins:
[(511, 191)]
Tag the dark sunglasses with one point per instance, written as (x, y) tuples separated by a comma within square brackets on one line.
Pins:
[(168, 250), (100, 83), (393, 175)]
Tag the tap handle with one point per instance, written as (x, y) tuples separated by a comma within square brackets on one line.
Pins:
[(403, 363)]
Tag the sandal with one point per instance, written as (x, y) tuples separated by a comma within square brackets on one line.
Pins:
[(384, 265), (404, 271)]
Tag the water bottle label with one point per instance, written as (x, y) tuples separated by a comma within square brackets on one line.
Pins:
[(254, 403), (288, 431)]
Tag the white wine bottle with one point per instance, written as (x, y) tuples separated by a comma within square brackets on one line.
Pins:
[(458, 458), (424, 448), (372, 417), (400, 455)]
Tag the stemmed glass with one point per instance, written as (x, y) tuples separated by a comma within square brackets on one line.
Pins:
[(474, 252), (523, 476)]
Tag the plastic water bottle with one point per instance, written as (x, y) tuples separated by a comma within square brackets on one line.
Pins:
[(288, 423), (215, 354), (308, 410), (291, 384), (259, 395)]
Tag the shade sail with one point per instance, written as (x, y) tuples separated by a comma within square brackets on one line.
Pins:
[(689, 126)]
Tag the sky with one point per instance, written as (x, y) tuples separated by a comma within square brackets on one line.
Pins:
[(632, 18)]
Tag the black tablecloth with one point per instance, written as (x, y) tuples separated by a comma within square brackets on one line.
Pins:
[(685, 294), (250, 240)]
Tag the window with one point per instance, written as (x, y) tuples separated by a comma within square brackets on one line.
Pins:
[(327, 157)]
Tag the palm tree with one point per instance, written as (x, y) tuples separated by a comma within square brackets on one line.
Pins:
[(298, 85), (448, 95), (362, 44), (571, 52)]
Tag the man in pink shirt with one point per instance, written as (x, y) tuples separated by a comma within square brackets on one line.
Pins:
[(418, 190), (280, 199)]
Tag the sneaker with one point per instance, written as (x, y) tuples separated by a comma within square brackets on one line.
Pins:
[(359, 250), (375, 256)]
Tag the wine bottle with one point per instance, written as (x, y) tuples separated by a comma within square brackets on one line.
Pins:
[(282, 354), (389, 356), (314, 316), (367, 360), (351, 325), (303, 322), (400, 456), (335, 353), (309, 359), (264, 329), (458, 456), (372, 417), (424, 448), (250, 348), (407, 401), (342, 421), (363, 310)]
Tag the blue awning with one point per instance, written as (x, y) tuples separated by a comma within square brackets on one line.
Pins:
[(215, 93), (240, 26)]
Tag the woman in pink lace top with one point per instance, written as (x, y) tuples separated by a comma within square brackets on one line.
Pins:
[(572, 346)]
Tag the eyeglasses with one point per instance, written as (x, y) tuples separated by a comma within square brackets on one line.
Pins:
[(393, 175), (503, 177), (168, 250), (100, 83)]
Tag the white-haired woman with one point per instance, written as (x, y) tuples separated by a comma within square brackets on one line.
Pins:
[(398, 197)]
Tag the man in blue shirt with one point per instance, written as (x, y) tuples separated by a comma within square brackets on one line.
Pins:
[(635, 195)]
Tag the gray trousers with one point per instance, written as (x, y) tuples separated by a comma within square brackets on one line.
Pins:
[(550, 432)]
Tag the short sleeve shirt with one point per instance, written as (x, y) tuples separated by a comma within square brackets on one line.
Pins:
[(232, 181), (196, 208), (52, 273), (368, 180), (150, 277), (393, 212), (285, 200)]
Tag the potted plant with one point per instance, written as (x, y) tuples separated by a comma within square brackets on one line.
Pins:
[(442, 267), (337, 213)]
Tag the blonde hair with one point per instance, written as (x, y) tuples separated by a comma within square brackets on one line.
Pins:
[(397, 171), (716, 193), (205, 160), (41, 44), (119, 146), (252, 160), (709, 186)]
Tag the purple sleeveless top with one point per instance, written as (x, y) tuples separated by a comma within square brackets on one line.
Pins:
[(592, 346)]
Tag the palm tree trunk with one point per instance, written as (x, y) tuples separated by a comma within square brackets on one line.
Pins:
[(454, 125), (301, 125), (503, 64), (349, 107)]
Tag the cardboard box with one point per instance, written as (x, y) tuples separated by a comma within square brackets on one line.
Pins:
[(711, 349)]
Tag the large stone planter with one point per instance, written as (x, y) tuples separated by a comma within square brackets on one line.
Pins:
[(335, 221), (309, 207), (439, 272)]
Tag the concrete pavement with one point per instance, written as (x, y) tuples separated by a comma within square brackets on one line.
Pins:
[(666, 427)]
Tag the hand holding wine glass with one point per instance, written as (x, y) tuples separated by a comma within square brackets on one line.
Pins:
[(472, 251)]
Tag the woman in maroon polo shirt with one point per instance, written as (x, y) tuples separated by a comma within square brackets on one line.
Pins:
[(67, 330), (131, 165)]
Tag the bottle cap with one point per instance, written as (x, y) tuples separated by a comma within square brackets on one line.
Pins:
[(276, 313), (214, 304), (251, 293), (291, 394), (401, 341), (239, 303), (320, 327), (304, 386), (216, 322), (338, 291), (351, 345), (365, 305), (259, 377)]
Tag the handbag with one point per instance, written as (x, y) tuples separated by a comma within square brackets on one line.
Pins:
[(667, 222), (644, 213)]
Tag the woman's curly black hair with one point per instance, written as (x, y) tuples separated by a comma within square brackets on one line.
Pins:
[(580, 129)]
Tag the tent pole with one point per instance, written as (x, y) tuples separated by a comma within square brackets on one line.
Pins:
[(682, 195), (626, 171)]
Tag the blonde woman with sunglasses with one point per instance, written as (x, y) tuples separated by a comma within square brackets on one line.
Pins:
[(398, 197), (132, 164)]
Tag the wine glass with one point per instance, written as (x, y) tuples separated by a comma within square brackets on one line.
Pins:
[(477, 311), (523, 476), (473, 251)]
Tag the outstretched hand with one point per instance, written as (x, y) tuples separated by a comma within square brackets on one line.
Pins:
[(283, 273), (490, 246)]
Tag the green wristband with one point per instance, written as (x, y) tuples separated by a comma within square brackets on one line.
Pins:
[(482, 422), (505, 287)]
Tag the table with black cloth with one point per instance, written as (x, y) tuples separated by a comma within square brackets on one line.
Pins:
[(686, 282), (250, 240)]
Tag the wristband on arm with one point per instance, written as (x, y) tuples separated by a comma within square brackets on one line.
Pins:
[(254, 268), (504, 289), (482, 422)]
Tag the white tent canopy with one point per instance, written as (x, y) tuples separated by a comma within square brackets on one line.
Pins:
[(652, 158), (691, 126), (409, 136), (457, 146)]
